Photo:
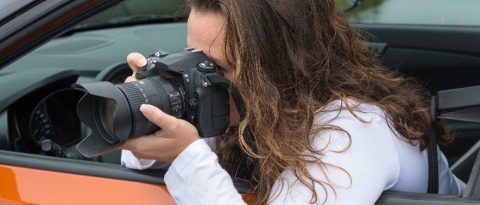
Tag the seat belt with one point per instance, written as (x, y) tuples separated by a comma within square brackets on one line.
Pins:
[(432, 164), (432, 151), (460, 104)]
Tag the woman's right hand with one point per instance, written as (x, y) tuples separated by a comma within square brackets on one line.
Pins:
[(165, 144), (135, 61)]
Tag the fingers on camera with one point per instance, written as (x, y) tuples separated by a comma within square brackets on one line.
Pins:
[(135, 61), (157, 116), (130, 79)]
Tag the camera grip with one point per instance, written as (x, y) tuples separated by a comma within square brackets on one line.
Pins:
[(213, 111)]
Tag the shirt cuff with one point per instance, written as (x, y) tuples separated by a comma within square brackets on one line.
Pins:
[(196, 177), (130, 161)]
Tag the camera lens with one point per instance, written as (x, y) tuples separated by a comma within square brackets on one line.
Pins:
[(157, 91), (106, 109), (113, 111)]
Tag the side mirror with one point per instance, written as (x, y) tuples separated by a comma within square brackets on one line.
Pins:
[(348, 5)]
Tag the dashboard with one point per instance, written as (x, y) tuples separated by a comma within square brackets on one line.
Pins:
[(37, 103), (44, 121)]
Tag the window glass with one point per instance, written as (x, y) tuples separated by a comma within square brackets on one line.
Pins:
[(134, 10), (417, 12)]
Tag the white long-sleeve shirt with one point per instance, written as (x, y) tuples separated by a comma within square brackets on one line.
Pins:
[(377, 160)]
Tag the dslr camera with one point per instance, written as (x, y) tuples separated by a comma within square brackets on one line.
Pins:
[(186, 85)]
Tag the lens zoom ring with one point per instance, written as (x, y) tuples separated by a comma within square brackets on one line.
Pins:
[(136, 98), (162, 90)]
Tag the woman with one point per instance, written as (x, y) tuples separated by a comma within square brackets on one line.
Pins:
[(324, 123)]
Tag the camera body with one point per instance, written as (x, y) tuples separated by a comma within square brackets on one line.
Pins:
[(203, 89), (186, 85)]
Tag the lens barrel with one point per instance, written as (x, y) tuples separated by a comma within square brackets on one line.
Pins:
[(113, 111), (156, 91)]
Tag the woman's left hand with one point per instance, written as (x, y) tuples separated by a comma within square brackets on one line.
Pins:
[(167, 143)]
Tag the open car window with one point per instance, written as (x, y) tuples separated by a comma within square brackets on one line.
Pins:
[(41, 113)]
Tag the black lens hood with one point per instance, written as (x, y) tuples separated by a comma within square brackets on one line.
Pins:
[(101, 141)]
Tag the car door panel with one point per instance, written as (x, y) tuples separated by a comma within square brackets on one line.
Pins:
[(37, 179), (48, 180)]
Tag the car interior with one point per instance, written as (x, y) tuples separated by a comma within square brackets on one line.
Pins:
[(39, 126)]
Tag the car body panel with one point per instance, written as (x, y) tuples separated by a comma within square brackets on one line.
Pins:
[(33, 186), (36, 186), (37, 179)]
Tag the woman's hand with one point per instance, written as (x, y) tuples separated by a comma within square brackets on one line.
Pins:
[(165, 144), (175, 134), (135, 61)]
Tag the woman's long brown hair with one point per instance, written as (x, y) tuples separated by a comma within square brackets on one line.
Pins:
[(291, 58)]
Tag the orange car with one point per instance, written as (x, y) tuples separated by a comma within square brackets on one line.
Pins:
[(45, 46)]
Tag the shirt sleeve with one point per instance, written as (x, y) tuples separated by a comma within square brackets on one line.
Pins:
[(129, 160), (196, 177)]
